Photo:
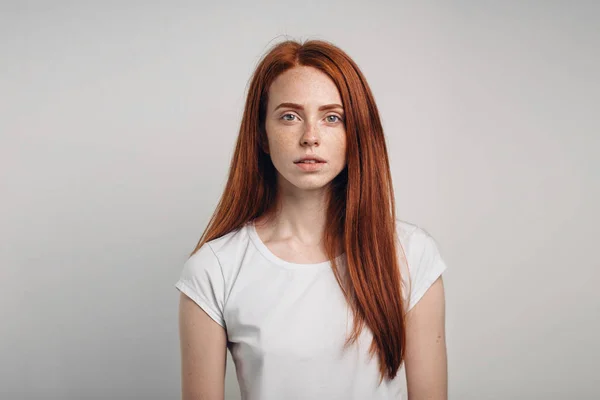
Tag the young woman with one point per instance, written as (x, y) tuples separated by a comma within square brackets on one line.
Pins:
[(304, 272)]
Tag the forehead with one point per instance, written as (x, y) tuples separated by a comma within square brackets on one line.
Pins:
[(304, 85)]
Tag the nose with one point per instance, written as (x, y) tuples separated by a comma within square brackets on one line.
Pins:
[(311, 135)]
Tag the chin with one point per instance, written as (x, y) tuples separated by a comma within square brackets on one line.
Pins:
[(307, 182), (312, 186)]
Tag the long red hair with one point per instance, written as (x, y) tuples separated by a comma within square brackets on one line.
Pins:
[(361, 216)]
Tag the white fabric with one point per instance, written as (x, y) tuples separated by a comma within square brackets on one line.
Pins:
[(286, 322)]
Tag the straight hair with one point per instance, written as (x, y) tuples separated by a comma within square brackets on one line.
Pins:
[(360, 215)]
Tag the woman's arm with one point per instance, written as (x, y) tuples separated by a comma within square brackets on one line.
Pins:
[(425, 357), (203, 345)]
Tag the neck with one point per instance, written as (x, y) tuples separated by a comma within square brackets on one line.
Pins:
[(299, 216)]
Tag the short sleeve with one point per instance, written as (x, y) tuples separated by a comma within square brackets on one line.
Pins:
[(425, 265), (202, 281)]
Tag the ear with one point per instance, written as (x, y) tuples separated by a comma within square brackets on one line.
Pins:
[(264, 142)]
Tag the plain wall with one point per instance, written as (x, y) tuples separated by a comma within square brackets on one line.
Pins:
[(117, 125)]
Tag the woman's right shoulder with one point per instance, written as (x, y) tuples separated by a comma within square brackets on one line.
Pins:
[(224, 252), (210, 272)]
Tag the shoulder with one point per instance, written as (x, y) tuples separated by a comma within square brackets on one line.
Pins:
[(208, 274), (421, 261), (412, 236), (405, 229), (221, 252)]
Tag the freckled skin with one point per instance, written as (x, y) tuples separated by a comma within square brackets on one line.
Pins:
[(307, 131)]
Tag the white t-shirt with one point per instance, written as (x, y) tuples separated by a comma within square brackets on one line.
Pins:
[(286, 323)]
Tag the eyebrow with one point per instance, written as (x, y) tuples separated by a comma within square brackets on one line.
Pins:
[(299, 106)]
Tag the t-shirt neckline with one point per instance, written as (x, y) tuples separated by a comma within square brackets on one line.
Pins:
[(264, 250)]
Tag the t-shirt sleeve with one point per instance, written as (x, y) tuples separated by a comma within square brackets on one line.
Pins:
[(202, 281), (425, 264)]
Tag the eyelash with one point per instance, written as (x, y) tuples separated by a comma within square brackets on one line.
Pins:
[(330, 115)]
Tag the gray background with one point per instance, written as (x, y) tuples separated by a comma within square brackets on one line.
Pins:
[(117, 124)]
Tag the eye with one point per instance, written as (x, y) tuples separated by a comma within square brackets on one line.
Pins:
[(288, 115), (334, 116)]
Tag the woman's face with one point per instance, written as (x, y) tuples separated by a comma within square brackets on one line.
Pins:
[(305, 118)]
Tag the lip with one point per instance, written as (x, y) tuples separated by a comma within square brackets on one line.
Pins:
[(309, 167), (316, 158)]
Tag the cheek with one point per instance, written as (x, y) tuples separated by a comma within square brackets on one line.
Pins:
[(279, 138), (340, 146), (281, 144), (282, 135)]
